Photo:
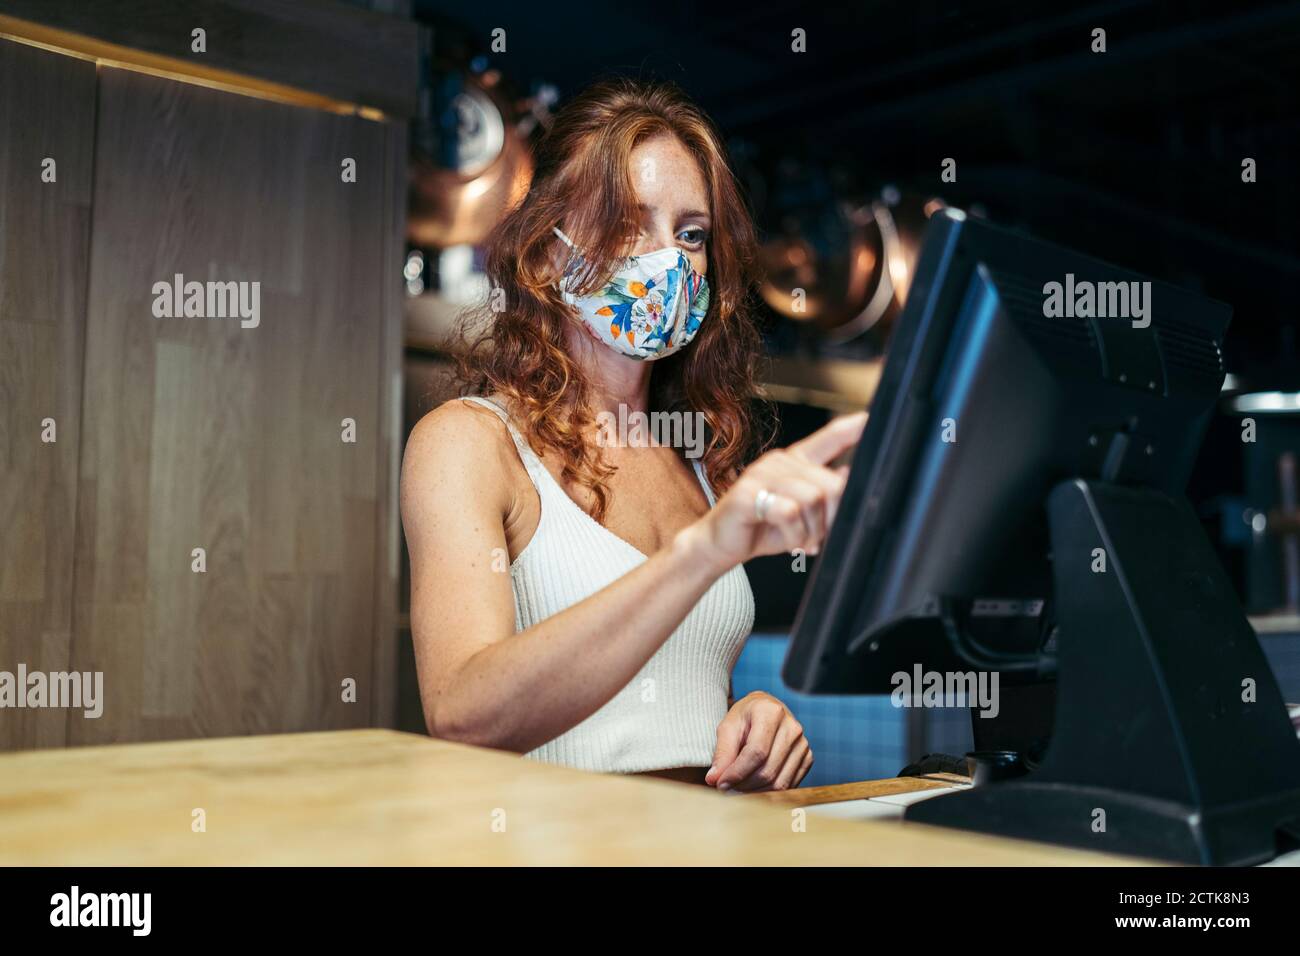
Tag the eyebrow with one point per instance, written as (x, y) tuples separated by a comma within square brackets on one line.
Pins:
[(684, 214)]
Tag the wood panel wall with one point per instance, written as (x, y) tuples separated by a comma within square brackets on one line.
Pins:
[(184, 433), (44, 236)]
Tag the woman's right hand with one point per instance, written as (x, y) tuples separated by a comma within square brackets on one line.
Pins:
[(805, 494)]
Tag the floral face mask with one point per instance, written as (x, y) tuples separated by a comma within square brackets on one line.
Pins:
[(649, 308)]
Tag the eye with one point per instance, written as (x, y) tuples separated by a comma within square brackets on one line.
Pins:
[(694, 236)]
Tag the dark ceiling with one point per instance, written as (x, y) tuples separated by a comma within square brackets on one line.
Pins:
[(1133, 155)]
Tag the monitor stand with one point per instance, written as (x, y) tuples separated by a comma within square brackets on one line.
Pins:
[(1170, 738)]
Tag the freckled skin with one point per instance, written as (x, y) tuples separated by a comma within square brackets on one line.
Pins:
[(669, 182)]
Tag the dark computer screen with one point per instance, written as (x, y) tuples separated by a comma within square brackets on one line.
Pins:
[(1016, 365)]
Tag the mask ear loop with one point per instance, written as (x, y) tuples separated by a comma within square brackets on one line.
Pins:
[(575, 260)]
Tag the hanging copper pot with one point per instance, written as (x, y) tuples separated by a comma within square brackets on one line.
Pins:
[(845, 268), (482, 168)]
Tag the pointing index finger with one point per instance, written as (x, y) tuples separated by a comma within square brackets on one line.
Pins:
[(831, 439)]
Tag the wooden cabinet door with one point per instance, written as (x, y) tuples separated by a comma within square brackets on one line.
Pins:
[(209, 440)]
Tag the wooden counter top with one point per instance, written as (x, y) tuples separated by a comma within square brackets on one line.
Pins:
[(383, 797)]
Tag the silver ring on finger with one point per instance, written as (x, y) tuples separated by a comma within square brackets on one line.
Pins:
[(762, 503)]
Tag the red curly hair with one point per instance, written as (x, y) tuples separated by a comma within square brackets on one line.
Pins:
[(584, 179)]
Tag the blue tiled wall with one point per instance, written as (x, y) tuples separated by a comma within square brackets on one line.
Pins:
[(853, 738)]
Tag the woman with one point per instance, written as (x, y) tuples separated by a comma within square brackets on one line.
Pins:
[(577, 598)]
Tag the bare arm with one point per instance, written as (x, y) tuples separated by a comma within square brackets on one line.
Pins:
[(480, 682)]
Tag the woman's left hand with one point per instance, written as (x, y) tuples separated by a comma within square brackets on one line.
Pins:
[(760, 747)]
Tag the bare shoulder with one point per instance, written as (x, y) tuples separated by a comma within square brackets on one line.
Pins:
[(458, 449), (458, 424)]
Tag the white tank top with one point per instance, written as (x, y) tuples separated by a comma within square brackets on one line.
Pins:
[(668, 715)]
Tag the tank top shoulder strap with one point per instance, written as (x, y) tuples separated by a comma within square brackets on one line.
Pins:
[(532, 464)]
